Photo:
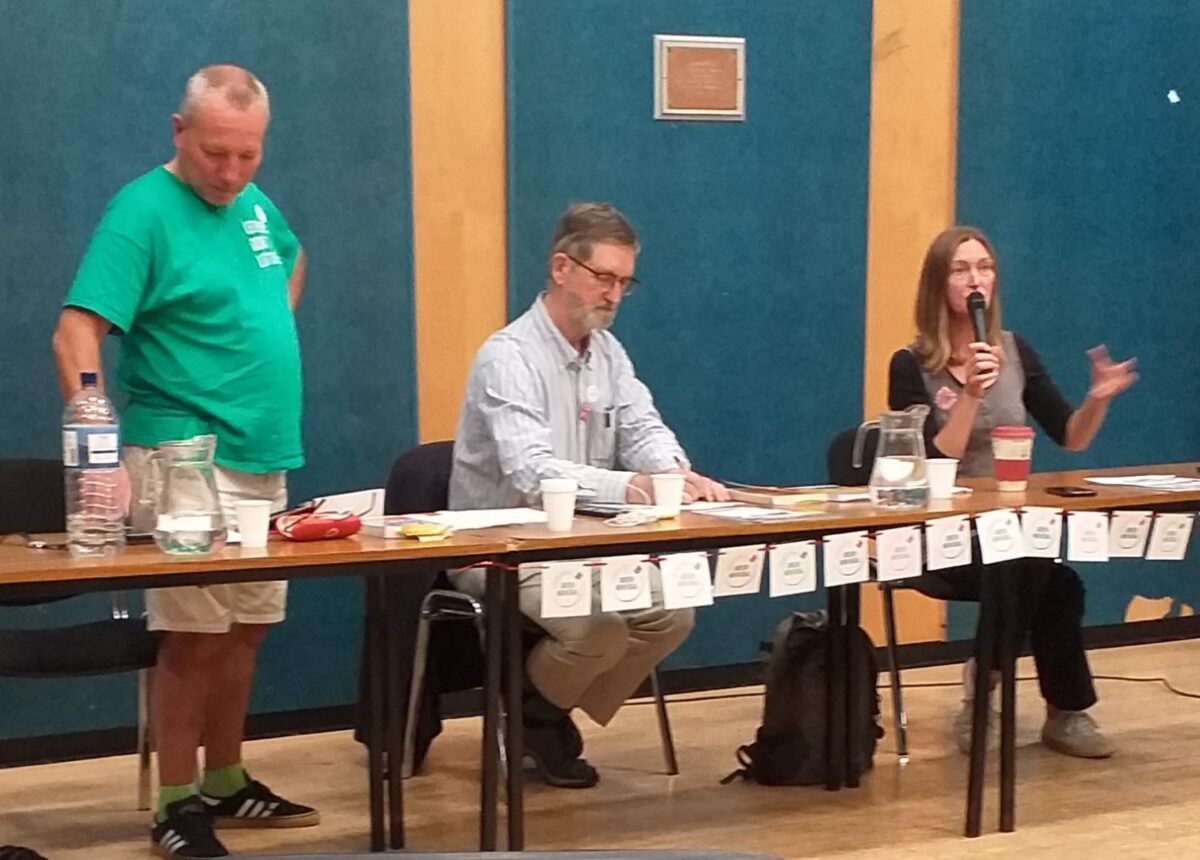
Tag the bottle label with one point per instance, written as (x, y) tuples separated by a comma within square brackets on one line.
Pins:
[(91, 446)]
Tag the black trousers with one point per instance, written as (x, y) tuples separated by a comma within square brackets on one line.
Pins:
[(1050, 609)]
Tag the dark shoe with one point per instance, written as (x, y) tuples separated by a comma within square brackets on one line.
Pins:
[(538, 712), (544, 744), (186, 832), (572, 740), (258, 806)]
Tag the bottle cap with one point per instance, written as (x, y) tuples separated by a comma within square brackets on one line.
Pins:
[(88, 378)]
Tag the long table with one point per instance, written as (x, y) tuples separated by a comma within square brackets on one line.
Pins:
[(36, 572), (694, 531), (24, 571)]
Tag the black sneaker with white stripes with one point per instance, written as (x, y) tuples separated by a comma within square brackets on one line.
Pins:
[(258, 806), (187, 832)]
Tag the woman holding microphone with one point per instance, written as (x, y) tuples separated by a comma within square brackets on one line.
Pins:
[(973, 385)]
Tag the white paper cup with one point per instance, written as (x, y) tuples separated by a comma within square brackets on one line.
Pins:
[(668, 492), (942, 471), (253, 517), (558, 501)]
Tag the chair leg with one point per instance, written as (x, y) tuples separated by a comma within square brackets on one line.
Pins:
[(899, 716), (664, 725), (145, 680), (420, 654)]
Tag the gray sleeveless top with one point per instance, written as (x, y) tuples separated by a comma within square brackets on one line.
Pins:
[(1002, 404)]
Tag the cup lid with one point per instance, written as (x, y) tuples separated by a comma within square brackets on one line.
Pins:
[(1012, 432)]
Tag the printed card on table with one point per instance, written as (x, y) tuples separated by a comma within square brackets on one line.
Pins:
[(793, 568), (566, 587), (1087, 536), (625, 583), (947, 543), (1169, 538), (1000, 536), (686, 580), (1127, 533), (899, 553), (1042, 530), (846, 559), (739, 570)]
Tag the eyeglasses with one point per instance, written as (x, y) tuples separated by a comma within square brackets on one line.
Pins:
[(607, 279), (961, 272)]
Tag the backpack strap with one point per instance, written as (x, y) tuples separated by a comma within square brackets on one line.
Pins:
[(747, 766)]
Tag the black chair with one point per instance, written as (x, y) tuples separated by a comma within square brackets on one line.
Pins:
[(845, 471), (32, 502), (420, 482)]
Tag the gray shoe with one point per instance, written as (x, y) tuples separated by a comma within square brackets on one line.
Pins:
[(1076, 733), (963, 719), (962, 727)]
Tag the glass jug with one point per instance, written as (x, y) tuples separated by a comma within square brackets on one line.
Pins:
[(181, 488), (898, 476)]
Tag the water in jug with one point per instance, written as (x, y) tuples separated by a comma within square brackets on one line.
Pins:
[(181, 487), (898, 476)]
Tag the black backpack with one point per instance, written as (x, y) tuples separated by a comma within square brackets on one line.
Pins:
[(789, 747)]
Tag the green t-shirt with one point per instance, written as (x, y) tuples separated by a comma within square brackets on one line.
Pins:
[(199, 293)]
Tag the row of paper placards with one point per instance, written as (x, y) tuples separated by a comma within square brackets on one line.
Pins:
[(626, 583)]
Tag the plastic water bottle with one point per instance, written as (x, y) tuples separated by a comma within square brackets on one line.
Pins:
[(91, 440)]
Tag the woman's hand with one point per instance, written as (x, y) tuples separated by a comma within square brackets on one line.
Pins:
[(982, 368), (1109, 378)]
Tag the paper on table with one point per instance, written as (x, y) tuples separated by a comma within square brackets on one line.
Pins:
[(1169, 483), (485, 519), (750, 513)]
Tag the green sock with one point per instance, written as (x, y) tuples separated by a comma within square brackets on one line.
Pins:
[(224, 781), (168, 794)]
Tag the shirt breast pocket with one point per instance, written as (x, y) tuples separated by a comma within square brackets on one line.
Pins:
[(602, 438)]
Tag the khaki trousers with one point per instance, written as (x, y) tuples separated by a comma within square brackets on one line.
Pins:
[(593, 662)]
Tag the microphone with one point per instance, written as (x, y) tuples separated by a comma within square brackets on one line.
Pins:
[(976, 306)]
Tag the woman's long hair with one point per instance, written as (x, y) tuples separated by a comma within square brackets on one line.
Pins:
[(933, 348)]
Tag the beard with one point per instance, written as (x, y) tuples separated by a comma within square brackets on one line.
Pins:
[(590, 319)]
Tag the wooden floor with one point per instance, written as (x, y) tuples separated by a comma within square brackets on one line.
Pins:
[(1145, 802)]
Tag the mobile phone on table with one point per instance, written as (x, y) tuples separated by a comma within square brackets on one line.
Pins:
[(1070, 492)]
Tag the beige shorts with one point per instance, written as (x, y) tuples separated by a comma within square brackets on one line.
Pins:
[(212, 608)]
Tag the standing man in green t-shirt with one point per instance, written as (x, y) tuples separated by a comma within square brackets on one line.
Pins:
[(199, 273)]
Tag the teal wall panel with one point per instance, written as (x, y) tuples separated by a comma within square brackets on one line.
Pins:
[(1083, 172), (749, 327), (87, 88)]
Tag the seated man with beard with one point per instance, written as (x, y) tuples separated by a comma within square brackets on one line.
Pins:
[(554, 395)]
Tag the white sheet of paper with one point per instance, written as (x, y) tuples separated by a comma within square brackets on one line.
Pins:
[(363, 503), (686, 580), (625, 583), (482, 519), (1042, 530), (1087, 536), (739, 570), (947, 542), (846, 559), (1000, 536), (1169, 538), (793, 568), (899, 553), (566, 587), (1127, 533)]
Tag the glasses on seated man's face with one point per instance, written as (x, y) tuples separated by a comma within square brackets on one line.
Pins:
[(608, 280)]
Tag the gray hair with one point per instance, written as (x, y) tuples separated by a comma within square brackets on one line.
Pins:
[(240, 87), (585, 224)]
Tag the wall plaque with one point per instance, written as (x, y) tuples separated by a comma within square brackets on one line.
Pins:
[(700, 77)]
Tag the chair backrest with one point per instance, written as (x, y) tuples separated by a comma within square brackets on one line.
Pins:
[(32, 498), (839, 458), (420, 479)]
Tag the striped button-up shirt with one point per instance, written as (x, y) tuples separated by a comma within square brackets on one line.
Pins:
[(537, 408)]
